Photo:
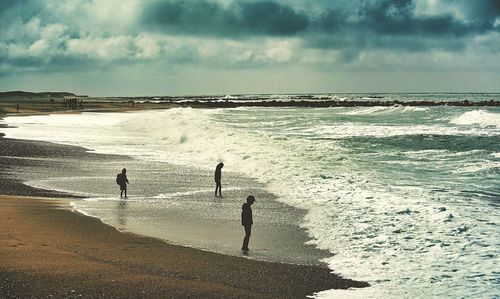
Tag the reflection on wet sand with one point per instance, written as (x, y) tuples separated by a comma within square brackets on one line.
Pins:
[(121, 212)]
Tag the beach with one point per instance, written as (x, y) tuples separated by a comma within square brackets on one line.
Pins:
[(49, 250), (374, 194)]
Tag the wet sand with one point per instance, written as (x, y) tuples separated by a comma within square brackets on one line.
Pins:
[(168, 202), (46, 249), (20, 159)]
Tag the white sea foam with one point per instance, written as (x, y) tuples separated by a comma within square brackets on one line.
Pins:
[(48, 184), (367, 110), (178, 194), (348, 130), (415, 109), (384, 110), (478, 117), (479, 166)]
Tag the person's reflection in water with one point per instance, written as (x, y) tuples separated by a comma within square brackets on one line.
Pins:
[(121, 209)]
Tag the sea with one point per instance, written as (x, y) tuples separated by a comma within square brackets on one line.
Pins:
[(405, 198)]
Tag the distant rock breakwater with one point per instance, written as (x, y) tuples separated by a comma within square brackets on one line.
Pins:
[(218, 103)]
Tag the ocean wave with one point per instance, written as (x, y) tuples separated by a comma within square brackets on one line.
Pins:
[(481, 166), (354, 129), (478, 117), (384, 109), (414, 109), (366, 111)]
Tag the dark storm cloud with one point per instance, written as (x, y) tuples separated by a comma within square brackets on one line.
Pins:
[(394, 24), (397, 17), (19, 9), (485, 10), (383, 17), (5, 5), (357, 24), (210, 18)]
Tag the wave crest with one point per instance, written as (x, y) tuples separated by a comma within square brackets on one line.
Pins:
[(478, 117)]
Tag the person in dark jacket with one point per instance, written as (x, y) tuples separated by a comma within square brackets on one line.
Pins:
[(122, 180), (247, 221), (217, 178)]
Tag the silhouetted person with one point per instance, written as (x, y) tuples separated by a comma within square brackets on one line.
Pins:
[(217, 178), (121, 179), (247, 221), (17, 108)]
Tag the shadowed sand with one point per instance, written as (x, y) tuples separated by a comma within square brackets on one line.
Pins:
[(46, 250)]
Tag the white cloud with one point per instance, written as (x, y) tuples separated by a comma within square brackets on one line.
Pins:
[(148, 46), (97, 16), (430, 8), (16, 50), (39, 47), (280, 51), (107, 49), (54, 32), (32, 28)]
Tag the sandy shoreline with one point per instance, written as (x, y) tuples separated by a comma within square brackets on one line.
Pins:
[(192, 217), (46, 250)]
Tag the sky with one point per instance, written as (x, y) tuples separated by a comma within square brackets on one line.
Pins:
[(196, 47)]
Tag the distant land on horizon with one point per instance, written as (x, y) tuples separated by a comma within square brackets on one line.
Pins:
[(19, 93)]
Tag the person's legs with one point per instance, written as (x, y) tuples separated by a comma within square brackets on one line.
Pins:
[(218, 187), (125, 192), (248, 232)]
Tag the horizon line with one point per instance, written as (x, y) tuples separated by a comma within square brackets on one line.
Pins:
[(257, 94)]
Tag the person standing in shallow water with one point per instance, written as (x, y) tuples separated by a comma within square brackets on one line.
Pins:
[(247, 221), (217, 178), (121, 179)]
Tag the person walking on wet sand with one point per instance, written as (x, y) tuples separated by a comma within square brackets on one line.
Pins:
[(121, 179), (217, 178), (247, 221)]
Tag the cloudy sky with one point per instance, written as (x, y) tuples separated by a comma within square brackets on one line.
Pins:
[(181, 47)]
